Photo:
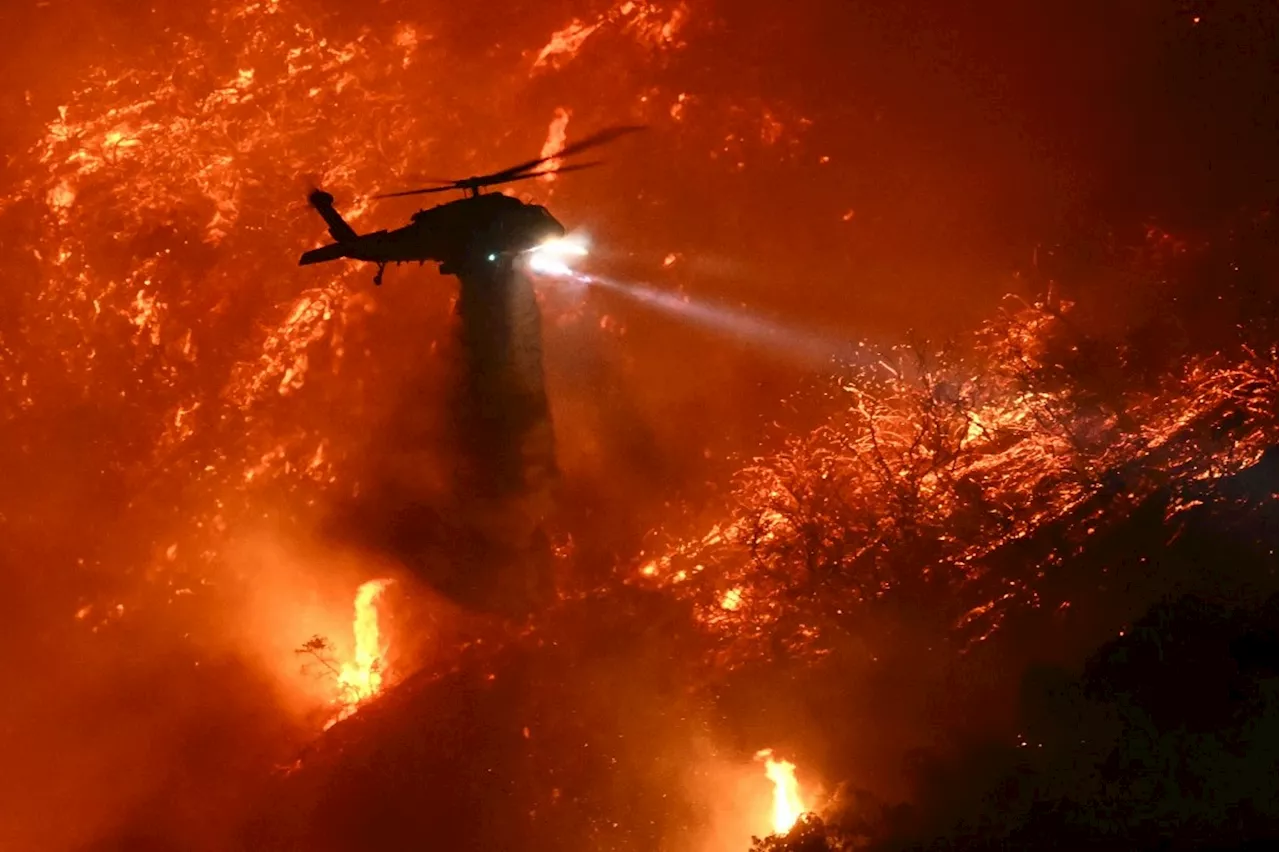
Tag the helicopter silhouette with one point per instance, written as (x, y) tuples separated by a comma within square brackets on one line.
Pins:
[(470, 235)]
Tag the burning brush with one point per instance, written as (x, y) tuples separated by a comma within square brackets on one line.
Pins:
[(362, 676)]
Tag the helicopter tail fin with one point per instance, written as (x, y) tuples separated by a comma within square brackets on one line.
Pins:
[(338, 227)]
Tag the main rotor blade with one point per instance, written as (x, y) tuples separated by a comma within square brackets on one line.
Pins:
[(522, 171), (491, 180), (602, 138), (445, 188), (441, 181), (574, 168)]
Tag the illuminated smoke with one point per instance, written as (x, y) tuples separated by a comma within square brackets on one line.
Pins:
[(787, 804), (805, 347)]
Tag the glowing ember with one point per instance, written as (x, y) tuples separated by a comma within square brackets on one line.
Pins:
[(361, 679), (787, 804), (731, 600)]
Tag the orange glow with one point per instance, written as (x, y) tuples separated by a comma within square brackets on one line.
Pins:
[(788, 806), (732, 599), (362, 678)]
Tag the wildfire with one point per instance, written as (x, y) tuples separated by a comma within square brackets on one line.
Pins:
[(361, 678), (973, 455), (150, 312), (788, 806)]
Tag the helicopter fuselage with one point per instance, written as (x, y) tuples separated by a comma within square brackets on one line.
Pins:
[(459, 235)]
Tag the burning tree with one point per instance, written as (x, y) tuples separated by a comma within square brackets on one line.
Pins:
[(809, 834), (361, 678)]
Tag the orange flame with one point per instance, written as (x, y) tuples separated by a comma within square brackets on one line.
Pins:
[(556, 136), (362, 678), (788, 807)]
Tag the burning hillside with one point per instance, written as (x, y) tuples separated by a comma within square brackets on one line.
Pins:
[(234, 546), (941, 464), (631, 715)]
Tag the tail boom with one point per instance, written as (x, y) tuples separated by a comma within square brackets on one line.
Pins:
[(333, 251), (338, 227), (345, 235)]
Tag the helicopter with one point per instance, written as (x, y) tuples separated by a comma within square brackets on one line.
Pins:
[(471, 235)]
